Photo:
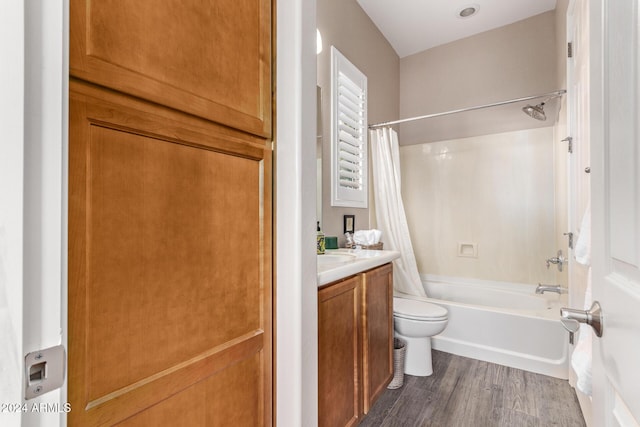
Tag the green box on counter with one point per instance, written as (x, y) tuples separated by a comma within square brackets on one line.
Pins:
[(331, 242)]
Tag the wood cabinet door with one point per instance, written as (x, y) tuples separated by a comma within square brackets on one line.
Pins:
[(377, 333), (170, 294), (339, 354), (209, 58)]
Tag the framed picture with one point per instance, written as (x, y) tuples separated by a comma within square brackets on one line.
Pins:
[(349, 223)]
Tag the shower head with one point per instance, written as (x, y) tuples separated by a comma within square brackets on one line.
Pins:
[(536, 111)]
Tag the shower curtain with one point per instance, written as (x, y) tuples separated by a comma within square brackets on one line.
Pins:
[(390, 215)]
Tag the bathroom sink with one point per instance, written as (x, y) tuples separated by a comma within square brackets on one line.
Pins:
[(335, 258)]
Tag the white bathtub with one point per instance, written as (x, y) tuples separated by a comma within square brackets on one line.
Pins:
[(504, 323)]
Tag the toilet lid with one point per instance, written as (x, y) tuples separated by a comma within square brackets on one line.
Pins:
[(416, 309)]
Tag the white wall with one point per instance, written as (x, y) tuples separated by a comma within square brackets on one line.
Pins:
[(496, 191), (11, 199)]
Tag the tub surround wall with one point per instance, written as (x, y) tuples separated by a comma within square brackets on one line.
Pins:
[(561, 187), (346, 26), (494, 191)]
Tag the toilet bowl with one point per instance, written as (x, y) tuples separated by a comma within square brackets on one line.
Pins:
[(416, 321)]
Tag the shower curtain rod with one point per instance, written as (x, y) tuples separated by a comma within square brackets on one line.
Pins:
[(555, 94)]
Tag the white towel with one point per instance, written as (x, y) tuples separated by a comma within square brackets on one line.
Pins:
[(582, 251), (367, 237), (581, 359)]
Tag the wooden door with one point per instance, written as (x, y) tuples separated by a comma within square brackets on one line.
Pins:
[(209, 58), (377, 333), (170, 289), (339, 393), (615, 155)]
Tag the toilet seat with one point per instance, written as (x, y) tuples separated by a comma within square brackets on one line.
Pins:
[(413, 309)]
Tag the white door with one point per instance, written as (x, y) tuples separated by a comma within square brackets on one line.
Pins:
[(615, 183)]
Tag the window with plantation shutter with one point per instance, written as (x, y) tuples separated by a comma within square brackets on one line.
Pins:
[(349, 133)]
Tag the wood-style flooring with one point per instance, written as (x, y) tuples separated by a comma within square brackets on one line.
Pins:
[(466, 392)]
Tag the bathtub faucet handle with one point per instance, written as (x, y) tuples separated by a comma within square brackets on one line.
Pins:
[(558, 260)]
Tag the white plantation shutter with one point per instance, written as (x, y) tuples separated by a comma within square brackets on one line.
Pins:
[(349, 133)]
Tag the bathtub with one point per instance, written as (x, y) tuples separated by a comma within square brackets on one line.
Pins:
[(504, 323)]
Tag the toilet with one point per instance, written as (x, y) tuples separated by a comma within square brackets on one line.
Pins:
[(416, 321)]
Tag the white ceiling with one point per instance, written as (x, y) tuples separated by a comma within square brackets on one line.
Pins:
[(412, 26)]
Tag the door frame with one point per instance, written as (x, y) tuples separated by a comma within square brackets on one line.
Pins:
[(295, 215), (45, 166), (579, 187), (44, 192)]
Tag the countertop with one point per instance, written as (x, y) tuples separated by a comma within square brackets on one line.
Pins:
[(363, 260)]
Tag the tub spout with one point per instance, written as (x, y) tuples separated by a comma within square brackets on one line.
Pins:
[(540, 289)]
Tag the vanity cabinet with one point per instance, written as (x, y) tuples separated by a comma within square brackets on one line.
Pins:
[(377, 333), (339, 353), (355, 345)]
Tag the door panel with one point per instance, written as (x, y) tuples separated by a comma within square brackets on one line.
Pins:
[(208, 58), (169, 263), (616, 208), (339, 367), (377, 333), (219, 400)]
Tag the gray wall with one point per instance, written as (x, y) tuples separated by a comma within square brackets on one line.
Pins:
[(346, 26), (509, 62), (561, 43)]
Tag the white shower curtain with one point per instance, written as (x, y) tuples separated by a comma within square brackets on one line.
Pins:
[(390, 215)]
